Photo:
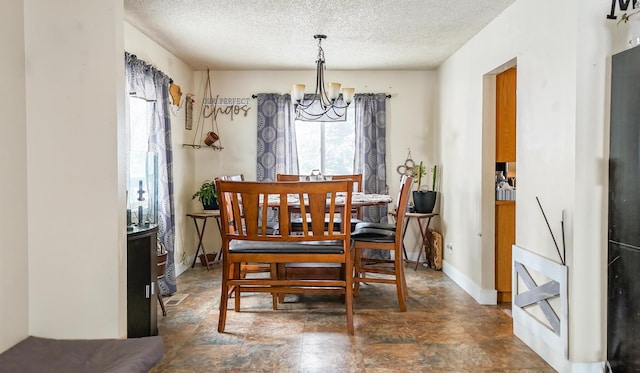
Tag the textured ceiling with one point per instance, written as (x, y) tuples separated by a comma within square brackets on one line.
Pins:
[(278, 34)]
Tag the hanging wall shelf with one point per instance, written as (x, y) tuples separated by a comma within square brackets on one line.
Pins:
[(210, 139)]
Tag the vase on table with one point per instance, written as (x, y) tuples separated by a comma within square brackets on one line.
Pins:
[(424, 201)]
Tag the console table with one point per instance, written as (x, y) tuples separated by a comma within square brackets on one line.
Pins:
[(423, 219), (203, 216), (142, 244)]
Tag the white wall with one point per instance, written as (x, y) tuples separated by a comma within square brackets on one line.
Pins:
[(410, 118), (562, 51), (13, 183), (76, 199), (139, 44)]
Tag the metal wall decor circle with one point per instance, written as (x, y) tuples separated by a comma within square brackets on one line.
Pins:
[(408, 168)]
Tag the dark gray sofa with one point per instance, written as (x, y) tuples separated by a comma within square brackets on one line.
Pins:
[(42, 355)]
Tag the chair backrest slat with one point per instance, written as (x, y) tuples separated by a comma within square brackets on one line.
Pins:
[(403, 200), (249, 202), (356, 178)]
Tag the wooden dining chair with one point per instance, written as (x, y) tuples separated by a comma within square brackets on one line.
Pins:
[(317, 243), (356, 179), (161, 264), (386, 271), (245, 268), (357, 187)]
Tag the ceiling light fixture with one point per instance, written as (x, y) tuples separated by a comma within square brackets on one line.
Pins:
[(325, 105)]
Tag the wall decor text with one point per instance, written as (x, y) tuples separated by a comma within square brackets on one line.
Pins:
[(231, 106), (623, 5)]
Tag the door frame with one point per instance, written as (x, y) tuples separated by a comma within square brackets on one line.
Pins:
[(488, 238)]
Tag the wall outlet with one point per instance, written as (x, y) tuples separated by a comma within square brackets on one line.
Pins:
[(449, 246)]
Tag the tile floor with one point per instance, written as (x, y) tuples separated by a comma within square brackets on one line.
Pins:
[(444, 330)]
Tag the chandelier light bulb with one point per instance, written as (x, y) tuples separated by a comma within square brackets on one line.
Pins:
[(297, 92), (348, 94), (334, 91)]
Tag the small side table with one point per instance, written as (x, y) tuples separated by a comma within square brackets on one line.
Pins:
[(426, 245), (204, 215)]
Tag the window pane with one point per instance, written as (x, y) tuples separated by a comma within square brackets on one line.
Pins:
[(140, 117), (308, 138), (339, 148), (327, 146)]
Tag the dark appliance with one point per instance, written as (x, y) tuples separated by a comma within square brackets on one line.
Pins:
[(623, 288)]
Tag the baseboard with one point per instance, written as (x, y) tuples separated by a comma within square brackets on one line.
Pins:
[(537, 336), (482, 296), (181, 267), (531, 334)]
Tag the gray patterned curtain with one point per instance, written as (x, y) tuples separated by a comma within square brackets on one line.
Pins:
[(277, 149), (370, 146), (151, 84)]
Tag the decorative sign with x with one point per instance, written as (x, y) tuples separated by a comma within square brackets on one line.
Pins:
[(538, 294)]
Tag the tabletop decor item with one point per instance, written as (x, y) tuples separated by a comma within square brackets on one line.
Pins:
[(207, 195)]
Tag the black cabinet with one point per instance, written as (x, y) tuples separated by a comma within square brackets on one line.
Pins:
[(141, 282), (623, 294), (623, 344)]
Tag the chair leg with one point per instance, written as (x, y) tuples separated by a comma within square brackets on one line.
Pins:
[(348, 295), (164, 311), (230, 290), (274, 273), (358, 269), (400, 286), (237, 275), (224, 296), (404, 282)]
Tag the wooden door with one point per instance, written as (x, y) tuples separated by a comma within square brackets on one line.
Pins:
[(505, 238), (505, 213), (506, 116)]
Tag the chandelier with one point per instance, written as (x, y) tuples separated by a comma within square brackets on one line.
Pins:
[(325, 105)]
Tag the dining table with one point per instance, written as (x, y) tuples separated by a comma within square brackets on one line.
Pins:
[(358, 199)]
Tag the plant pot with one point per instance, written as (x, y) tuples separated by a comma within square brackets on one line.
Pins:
[(424, 202), (211, 138), (211, 206)]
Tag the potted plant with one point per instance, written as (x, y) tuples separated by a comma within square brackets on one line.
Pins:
[(207, 195), (423, 199)]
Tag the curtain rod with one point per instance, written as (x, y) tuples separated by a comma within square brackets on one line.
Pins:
[(256, 96)]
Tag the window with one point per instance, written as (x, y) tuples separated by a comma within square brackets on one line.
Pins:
[(327, 146), (142, 165)]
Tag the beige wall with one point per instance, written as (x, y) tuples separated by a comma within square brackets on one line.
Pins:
[(76, 200), (183, 158), (74, 272), (14, 307), (562, 53), (410, 118)]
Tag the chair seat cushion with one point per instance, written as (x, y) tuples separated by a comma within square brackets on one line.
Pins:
[(272, 247), (296, 223), (373, 235), (390, 227)]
